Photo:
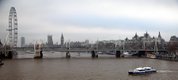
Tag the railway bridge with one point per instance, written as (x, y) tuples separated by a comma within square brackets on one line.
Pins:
[(95, 52)]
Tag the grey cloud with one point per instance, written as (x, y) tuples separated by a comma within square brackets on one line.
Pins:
[(36, 16)]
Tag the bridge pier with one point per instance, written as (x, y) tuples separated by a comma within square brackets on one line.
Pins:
[(38, 55), (38, 51), (93, 54), (118, 53), (68, 54), (1, 58), (141, 53), (10, 55)]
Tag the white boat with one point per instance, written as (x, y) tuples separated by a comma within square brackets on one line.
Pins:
[(142, 70), (149, 69), (139, 70), (126, 54), (99, 52)]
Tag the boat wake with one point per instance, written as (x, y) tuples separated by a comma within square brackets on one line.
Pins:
[(166, 71)]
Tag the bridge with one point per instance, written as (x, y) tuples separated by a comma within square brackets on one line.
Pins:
[(86, 49), (94, 52), (117, 52)]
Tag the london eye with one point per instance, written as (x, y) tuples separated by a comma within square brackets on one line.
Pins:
[(13, 28)]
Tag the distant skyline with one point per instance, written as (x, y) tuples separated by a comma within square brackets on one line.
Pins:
[(79, 20)]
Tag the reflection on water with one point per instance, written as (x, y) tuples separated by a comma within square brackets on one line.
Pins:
[(82, 67)]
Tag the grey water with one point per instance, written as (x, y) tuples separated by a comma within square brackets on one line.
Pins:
[(54, 66)]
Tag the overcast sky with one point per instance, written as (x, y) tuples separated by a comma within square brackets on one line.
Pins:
[(90, 19)]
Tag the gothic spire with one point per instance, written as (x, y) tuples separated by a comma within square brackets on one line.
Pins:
[(62, 35), (62, 40), (136, 36), (159, 35)]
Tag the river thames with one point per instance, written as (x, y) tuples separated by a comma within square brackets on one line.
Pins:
[(83, 67)]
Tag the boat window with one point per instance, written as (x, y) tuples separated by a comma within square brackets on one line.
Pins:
[(140, 70)]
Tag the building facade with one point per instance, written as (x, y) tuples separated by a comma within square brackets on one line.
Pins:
[(50, 41), (22, 41)]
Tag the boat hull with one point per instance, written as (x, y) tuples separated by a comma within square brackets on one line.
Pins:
[(135, 73)]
